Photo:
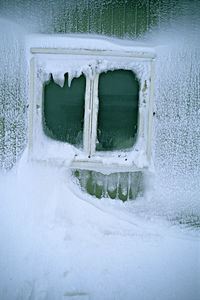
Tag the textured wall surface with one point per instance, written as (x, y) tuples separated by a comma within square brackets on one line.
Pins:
[(13, 94), (111, 17)]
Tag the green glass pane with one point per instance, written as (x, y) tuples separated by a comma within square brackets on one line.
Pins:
[(118, 110), (63, 110), (123, 185)]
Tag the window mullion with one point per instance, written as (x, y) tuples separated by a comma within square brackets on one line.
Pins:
[(94, 113), (87, 117)]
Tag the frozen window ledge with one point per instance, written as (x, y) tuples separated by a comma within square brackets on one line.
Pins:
[(106, 166)]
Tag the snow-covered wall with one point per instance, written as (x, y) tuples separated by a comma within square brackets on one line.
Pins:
[(13, 93), (109, 17), (171, 27), (176, 126)]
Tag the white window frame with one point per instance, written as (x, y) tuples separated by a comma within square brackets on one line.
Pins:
[(135, 159)]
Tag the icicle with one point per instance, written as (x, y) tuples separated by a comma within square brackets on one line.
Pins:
[(118, 179), (129, 185), (123, 186), (106, 186), (112, 186), (59, 78), (70, 77), (46, 77), (73, 73), (84, 176)]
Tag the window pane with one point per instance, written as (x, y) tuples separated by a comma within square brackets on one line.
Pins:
[(118, 110), (122, 185), (63, 110)]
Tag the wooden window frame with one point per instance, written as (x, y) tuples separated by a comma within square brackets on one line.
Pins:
[(142, 64)]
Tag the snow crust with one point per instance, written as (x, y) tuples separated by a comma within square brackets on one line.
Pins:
[(58, 243), (86, 42)]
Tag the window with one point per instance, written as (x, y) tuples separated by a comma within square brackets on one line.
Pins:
[(118, 94), (100, 102), (121, 185), (63, 110), (117, 116)]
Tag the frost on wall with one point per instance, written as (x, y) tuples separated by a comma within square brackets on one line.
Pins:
[(176, 134), (121, 18), (13, 94), (178, 111)]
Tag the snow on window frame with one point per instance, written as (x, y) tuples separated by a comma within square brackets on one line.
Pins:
[(45, 62)]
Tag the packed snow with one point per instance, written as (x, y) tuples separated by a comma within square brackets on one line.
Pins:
[(59, 243)]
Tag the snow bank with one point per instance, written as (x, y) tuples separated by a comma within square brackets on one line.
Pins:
[(58, 245)]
